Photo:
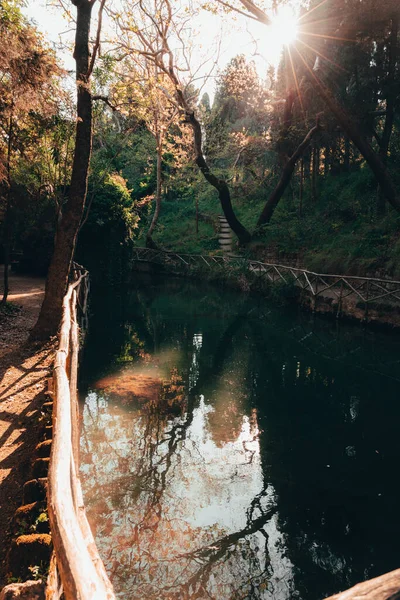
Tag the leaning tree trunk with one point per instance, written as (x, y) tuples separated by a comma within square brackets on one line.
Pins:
[(68, 226), (219, 184), (8, 213), (284, 181), (346, 121), (149, 240)]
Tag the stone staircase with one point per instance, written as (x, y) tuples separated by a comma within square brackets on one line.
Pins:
[(225, 237)]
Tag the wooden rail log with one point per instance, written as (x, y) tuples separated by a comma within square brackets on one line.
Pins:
[(82, 572), (385, 587), (365, 289)]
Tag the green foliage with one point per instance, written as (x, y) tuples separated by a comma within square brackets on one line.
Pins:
[(10, 13), (340, 233), (111, 205), (39, 572), (108, 231), (177, 230)]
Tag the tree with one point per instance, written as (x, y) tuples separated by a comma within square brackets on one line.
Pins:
[(151, 37), (69, 223), (28, 87), (144, 93), (318, 80)]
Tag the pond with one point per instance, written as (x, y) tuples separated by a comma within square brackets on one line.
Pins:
[(231, 449)]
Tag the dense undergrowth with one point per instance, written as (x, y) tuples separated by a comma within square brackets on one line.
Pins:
[(339, 232)]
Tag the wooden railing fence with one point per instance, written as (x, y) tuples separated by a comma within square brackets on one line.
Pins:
[(368, 290), (76, 570)]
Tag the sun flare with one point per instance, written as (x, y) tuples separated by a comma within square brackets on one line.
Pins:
[(282, 32), (284, 27)]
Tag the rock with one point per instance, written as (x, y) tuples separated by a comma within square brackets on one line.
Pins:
[(40, 467), (48, 432), (43, 449), (26, 515), (34, 490), (30, 590), (28, 551)]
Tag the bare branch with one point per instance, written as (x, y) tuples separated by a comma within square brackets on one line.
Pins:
[(106, 100), (97, 42), (237, 10)]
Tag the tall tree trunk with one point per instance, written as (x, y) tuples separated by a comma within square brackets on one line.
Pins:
[(7, 216), (149, 239), (315, 170), (68, 227), (307, 164), (390, 106), (346, 160), (219, 184), (333, 157), (353, 130), (301, 187), (284, 181), (327, 158)]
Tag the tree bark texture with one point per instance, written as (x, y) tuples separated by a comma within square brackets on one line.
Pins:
[(385, 587), (8, 214), (68, 226)]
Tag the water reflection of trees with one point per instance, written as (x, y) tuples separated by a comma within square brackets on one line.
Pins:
[(329, 451), (150, 549), (319, 417), (158, 553)]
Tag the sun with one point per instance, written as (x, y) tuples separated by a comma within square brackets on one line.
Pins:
[(280, 33), (284, 27)]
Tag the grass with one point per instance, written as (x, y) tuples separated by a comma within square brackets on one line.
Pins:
[(338, 233)]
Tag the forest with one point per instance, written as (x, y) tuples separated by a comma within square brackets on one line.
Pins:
[(301, 158), (159, 161)]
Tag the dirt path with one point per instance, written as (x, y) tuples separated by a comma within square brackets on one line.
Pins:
[(24, 369)]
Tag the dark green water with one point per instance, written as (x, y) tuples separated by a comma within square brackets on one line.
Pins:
[(232, 450)]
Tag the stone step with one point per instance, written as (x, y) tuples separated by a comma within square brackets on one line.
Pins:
[(225, 236)]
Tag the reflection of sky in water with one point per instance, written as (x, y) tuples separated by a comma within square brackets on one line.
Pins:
[(218, 413), (226, 478), (181, 512)]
